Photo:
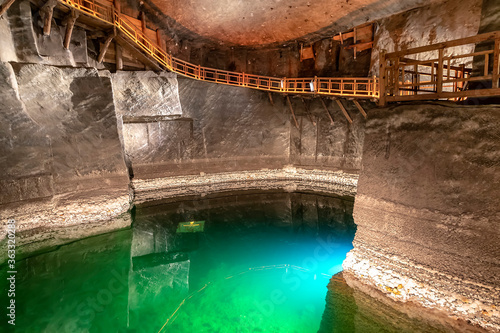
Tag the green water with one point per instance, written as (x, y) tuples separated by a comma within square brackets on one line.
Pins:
[(262, 264)]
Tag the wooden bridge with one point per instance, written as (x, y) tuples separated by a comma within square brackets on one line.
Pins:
[(438, 71)]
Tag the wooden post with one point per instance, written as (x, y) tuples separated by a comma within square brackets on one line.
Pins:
[(291, 109), (105, 47), (344, 111), (360, 108), (119, 57), (159, 39), (143, 22), (270, 98), (118, 6), (46, 13), (326, 109), (383, 78), (70, 24), (5, 6), (496, 63), (439, 83)]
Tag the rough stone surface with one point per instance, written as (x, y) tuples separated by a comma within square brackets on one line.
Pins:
[(427, 209), (424, 26), (59, 139), (226, 128), (289, 178), (263, 21)]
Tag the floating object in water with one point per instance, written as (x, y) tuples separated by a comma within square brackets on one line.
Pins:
[(193, 226)]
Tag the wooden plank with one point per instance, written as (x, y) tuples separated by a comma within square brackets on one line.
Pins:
[(360, 46), (5, 6), (293, 113), (344, 111), (446, 95), (360, 108), (456, 42), (326, 109)]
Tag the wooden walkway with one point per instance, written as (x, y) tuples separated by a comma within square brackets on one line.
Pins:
[(438, 71)]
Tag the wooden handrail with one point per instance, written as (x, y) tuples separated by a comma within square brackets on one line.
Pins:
[(348, 87)]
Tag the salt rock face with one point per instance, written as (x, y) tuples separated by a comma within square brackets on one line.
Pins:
[(146, 94), (60, 140), (427, 208)]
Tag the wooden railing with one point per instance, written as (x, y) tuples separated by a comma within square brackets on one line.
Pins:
[(343, 87), (443, 73)]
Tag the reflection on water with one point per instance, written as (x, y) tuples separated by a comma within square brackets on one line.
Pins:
[(262, 264)]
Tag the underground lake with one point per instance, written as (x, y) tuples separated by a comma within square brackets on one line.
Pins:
[(257, 262)]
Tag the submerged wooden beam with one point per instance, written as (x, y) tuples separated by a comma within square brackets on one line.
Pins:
[(105, 47), (5, 6), (293, 113), (46, 13), (70, 24), (360, 108), (326, 109), (344, 111)]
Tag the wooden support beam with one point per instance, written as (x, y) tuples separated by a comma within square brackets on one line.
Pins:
[(344, 111), (46, 13), (307, 112), (383, 78), (293, 113), (439, 83), (143, 23), (326, 109), (105, 47), (159, 40), (496, 64), (360, 108), (119, 57), (70, 21), (5, 6), (270, 98), (117, 5)]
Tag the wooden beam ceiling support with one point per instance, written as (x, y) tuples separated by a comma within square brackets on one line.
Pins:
[(5, 6), (309, 115), (70, 21), (46, 13), (293, 113), (344, 111), (106, 46), (270, 98), (360, 108), (143, 23), (326, 109), (119, 57)]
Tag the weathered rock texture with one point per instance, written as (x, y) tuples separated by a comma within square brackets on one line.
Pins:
[(60, 153), (226, 128), (427, 209), (289, 179), (435, 23)]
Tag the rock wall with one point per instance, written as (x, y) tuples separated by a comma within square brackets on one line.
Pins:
[(438, 22), (61, 158), (427, 209), (223, 128)]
